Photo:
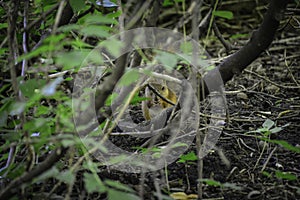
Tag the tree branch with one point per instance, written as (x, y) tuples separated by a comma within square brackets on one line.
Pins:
[(14, 186), (259, 41)]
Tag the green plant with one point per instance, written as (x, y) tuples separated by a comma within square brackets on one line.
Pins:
[(268, 128), (37, 118), (191, 156)]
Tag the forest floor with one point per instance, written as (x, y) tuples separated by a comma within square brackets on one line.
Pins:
[(257, 169), (243, 165)]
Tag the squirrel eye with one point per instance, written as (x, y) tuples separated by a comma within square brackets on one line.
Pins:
[(163, 88)]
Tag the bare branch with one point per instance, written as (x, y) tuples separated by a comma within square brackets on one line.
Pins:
[(260, 41), (14, 186)]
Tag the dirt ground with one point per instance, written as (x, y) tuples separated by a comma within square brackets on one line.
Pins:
[(267, 89), (244, 166)]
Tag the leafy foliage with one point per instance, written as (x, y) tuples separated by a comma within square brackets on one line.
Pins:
[(43, 120), (36, 117)]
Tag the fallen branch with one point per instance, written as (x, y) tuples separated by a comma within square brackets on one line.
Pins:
[(259, 42)]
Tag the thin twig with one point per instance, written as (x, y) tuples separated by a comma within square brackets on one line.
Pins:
[(12, 46), (44, 15), (25, 38), (161, 76), (268, 159), (14, 185), (268, 80), (220, 37), (58, 15), (136, 17)]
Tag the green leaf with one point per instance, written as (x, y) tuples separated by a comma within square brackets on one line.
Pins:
[(267, 174), (118, 185), (79, 44), (210, 67), (268, 124), (94, 58), (91, 142), (95, 30), (67, 177), (3, 25), (51, 43), (71, 59), (283, 143), (77, 5), (168, 3), (211, 182), (129, 77), (186, 47), (179, 144), (116, 14), (55, 39), (41, 110), (156, 155), (188, 157), (17, 108), (40, 125), (116, 195), (168, 60), (68, 142), (92, 183), (137, 99), (113, 46), (15, 137), (28, 87), (98, 19), (223, 13), (263, 130), (91, 166), (111, 98), (118, 159), (276, 129), (285, 175), (69, 27), (36, 52), (40, 122), (239, 35)]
